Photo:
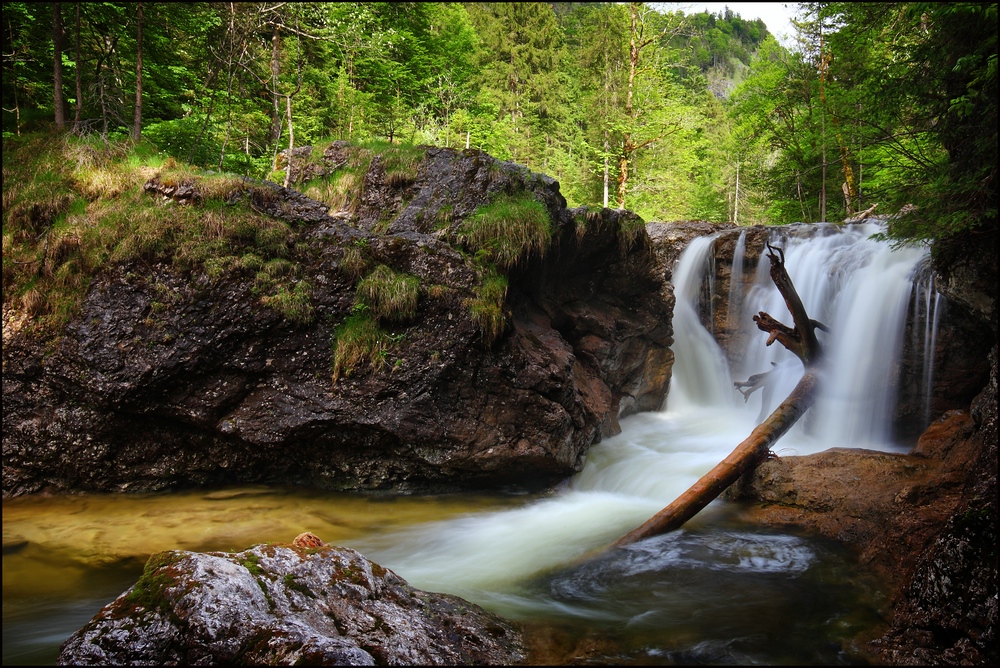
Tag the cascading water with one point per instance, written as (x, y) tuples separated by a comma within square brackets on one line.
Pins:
[(860, 289)]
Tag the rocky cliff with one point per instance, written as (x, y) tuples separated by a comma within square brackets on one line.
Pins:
[(170, 378)]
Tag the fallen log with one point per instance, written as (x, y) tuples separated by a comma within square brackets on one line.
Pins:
[(801, 340)]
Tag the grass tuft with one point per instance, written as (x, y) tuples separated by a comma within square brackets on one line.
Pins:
[(358, 342), (391, 296), (508, 229), (487, 308)]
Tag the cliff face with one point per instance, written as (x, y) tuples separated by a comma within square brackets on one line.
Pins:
[(169, 379)]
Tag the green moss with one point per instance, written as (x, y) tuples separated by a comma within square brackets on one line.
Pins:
[(292, 583), (149, 592), (508, 229)]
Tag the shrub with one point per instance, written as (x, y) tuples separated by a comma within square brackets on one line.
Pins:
[(509, 229)]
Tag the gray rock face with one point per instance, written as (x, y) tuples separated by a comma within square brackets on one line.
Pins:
[(287, 605), (170, 378)]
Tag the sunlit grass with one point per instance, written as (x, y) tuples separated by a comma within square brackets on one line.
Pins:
[(73, 206)]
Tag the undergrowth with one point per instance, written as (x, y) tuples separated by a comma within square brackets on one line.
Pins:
[(73, 206)]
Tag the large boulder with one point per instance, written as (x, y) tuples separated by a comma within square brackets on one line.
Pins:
[(170, 377), (287, 605)]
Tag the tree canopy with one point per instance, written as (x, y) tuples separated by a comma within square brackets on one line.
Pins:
[(672, 115)]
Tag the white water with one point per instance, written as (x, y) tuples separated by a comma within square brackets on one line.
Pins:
[(857, 287)]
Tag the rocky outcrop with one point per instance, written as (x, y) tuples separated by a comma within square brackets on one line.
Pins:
[(299, 604), (171, 378)]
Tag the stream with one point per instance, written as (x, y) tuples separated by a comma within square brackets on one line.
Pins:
[(720, 591)]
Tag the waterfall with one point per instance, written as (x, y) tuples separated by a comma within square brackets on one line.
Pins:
[(733, 310), (859, 288), (700, 375), (927, 308)]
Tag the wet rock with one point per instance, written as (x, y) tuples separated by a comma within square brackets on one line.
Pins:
[(925, 521), (287, 605)]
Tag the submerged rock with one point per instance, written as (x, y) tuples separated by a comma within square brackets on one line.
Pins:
[(285, 605)]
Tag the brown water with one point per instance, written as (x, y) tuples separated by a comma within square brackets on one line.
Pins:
[(720, 592)]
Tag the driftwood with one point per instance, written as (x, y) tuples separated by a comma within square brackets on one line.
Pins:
[(801, 340)]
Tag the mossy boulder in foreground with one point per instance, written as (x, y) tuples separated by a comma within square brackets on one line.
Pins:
[(287, 605)]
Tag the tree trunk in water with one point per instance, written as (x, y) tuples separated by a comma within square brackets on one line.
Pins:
[(801, 340), (747, 455)]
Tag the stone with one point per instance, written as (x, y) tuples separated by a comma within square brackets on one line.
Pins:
[(287, 605)]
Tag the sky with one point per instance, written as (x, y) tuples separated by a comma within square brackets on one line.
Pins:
[(775, 15)]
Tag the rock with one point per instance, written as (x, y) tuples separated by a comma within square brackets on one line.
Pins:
[(168, 379), (287, 605), (307, 539)]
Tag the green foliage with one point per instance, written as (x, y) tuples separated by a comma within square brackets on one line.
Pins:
[(358, 342), (390, 296), (487, 307), (898, 98), (509, 229)]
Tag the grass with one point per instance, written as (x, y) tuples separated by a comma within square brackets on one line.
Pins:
[(357, 343), (341, 190), (487, 308), (508, 229), (391, 296), (72, 207)]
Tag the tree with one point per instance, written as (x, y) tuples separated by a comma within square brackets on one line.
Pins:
[(137, 122), (57, 72)]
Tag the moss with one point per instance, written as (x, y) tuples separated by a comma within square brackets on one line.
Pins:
[(150, 592), (292, 583)]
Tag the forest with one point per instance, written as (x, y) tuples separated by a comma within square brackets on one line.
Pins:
[(672, 115)]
